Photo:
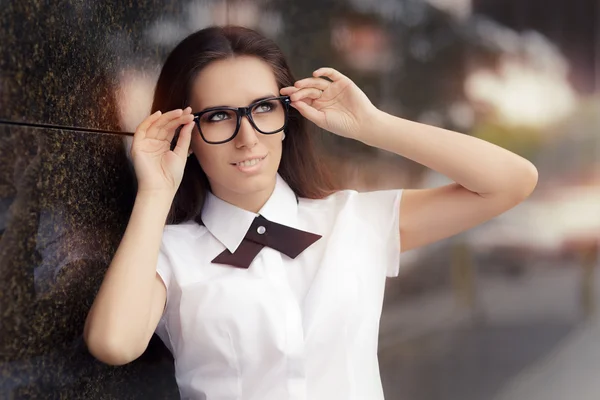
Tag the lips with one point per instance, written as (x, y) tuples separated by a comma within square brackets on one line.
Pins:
[(248, 162)]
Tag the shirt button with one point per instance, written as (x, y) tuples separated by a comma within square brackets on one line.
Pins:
[(261, 230)]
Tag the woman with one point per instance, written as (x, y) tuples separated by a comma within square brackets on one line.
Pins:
[(267, 283)]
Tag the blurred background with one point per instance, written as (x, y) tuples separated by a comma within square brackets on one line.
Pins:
[(506, 311)]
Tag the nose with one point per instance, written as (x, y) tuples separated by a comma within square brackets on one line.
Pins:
[(247, 136)]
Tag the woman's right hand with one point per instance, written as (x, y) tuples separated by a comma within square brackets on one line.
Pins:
[(157, 167)]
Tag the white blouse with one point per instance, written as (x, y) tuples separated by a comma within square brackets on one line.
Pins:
[(283, 329)]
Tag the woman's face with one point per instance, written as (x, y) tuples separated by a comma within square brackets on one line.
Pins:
[(233, 177)]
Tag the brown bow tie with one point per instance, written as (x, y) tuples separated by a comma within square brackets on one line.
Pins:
[(262, 232)]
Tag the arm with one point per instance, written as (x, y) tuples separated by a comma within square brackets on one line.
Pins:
[(488, 179), (131, 299)]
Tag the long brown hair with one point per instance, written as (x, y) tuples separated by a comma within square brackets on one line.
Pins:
[(300, 165)]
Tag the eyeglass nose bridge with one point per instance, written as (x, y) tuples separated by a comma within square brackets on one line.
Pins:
[(244, 111), (247, 112)]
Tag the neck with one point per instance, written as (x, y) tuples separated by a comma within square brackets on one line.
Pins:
[(252, 202)]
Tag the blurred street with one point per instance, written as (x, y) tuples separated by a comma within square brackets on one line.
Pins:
[(526, 339)]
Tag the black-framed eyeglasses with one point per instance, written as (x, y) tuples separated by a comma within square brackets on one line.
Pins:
[(221, 124)]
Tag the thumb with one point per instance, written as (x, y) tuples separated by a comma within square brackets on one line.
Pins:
[(183, 142)]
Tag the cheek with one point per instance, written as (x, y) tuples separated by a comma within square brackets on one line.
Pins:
[(274, 144), (211, 160), (209, 156)]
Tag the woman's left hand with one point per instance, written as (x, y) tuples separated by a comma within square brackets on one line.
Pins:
[(338, 106)]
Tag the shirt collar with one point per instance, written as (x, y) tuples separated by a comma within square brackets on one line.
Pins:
[(229, 223)]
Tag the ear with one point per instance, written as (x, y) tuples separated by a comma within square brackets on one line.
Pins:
[(282, 136)]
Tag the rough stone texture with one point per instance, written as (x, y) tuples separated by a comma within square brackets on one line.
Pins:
[(67, 198)]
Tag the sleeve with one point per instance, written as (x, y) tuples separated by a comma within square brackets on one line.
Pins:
[(163, 268), (165, 271), (381, 211)]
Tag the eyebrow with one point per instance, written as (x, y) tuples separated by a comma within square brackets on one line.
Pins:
[(268, 96)]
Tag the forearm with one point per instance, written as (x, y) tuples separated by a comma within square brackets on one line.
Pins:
[(475, 164)]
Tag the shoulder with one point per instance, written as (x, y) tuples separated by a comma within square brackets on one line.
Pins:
[(335, 199), (183, 232), (352, 199)]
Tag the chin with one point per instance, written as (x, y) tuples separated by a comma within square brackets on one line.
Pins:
[(237, 184), (253, 183)]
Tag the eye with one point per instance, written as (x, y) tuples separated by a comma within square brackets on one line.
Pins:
[(264, 107), (217, 116)]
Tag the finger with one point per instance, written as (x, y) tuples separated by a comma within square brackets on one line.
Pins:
[(288, 90), (140, 132), (331, 73), (309, 112), (168, 131), (308, 93), (184, 140), (155, 131), (164, 119), (318, 83)]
